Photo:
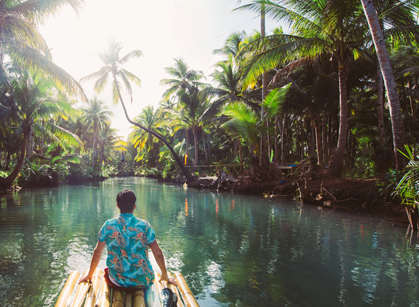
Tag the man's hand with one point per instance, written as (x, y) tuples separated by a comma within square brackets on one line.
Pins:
[(169, 280), (86, 278)]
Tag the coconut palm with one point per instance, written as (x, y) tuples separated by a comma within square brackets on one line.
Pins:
[(23, 44), (389, 80), (182, 78), (109, 141), (96, 116), (113, 69), (191, 113)]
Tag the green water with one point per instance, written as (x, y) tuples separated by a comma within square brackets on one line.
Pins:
[(233, 250)]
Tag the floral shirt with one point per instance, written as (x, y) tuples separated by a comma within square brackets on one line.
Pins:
[(126, 239)]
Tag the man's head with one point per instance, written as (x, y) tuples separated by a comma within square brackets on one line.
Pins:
[(125, 201)]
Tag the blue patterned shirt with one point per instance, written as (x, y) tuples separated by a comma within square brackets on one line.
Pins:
[(126, 239)]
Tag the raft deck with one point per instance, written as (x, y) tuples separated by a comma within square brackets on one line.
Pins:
[(98, 294)]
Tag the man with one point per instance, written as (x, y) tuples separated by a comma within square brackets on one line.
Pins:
[(127, 239)]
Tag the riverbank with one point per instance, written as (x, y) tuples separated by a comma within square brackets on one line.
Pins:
[(351, 195)]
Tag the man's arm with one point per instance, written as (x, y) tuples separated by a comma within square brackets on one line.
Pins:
[(158, 255), (97, 253)]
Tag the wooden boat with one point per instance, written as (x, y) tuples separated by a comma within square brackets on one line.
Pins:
[(98, 294)]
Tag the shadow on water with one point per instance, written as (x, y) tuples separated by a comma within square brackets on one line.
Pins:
[(233, 250)]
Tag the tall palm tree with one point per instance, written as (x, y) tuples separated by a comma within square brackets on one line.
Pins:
[(389, 80), (23, 44), (28, 103), (96, 116), (113, 69), (108, 141), (191, 114), (262, 11)]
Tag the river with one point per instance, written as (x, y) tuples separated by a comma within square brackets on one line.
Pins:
[(234, 250)]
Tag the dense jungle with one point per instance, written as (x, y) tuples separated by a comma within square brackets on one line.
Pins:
[(326, 113)]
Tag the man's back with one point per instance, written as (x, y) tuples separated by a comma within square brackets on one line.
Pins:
[(126, 239)]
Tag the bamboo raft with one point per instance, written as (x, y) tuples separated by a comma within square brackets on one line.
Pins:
[(98, 294)]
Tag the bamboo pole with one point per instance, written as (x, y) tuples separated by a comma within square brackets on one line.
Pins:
[(93, 292), (67, 290), (103, 296), (186, 293), (81, 292), (176, 291), (117, 298), (139, 300), (128, 299)]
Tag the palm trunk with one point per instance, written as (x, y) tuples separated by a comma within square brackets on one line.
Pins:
[(380, 107), (7, 182), (319, 149), (276, 139), (283, 140), (336, 163), (263, 140), (188, 176), (205, 148), (187, 145), (324, 139), (389, 80), (195, 142)]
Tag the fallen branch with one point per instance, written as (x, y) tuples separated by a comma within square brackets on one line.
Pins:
[(328, 193)]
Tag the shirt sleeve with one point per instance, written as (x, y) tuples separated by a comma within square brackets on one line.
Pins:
[(102, 233), (150, 234)]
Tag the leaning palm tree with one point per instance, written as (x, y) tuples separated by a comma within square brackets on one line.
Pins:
[(389, 80), (151, 119), (113, 69)]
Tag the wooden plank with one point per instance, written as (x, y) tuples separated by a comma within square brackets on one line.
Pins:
[(67, 290)]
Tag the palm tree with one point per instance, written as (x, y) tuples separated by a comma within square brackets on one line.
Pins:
[(22, 43), (389, 80), (182, 78), (191, 113), (96, 116), (108, 141), (113, 69), (28, 102)]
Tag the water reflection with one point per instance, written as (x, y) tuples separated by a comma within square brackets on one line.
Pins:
[(232, 249)]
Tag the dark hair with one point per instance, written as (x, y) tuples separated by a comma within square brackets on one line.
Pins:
[(126, 200)]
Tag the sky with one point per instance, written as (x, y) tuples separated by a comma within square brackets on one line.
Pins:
[(163, 30)]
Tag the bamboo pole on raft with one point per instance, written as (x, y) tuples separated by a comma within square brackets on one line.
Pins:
[(139, 300), (175, 290), (81, 292), (187, 295), (117, 298), (128, 299), (103, 297), (93, 292), (67, 290)]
